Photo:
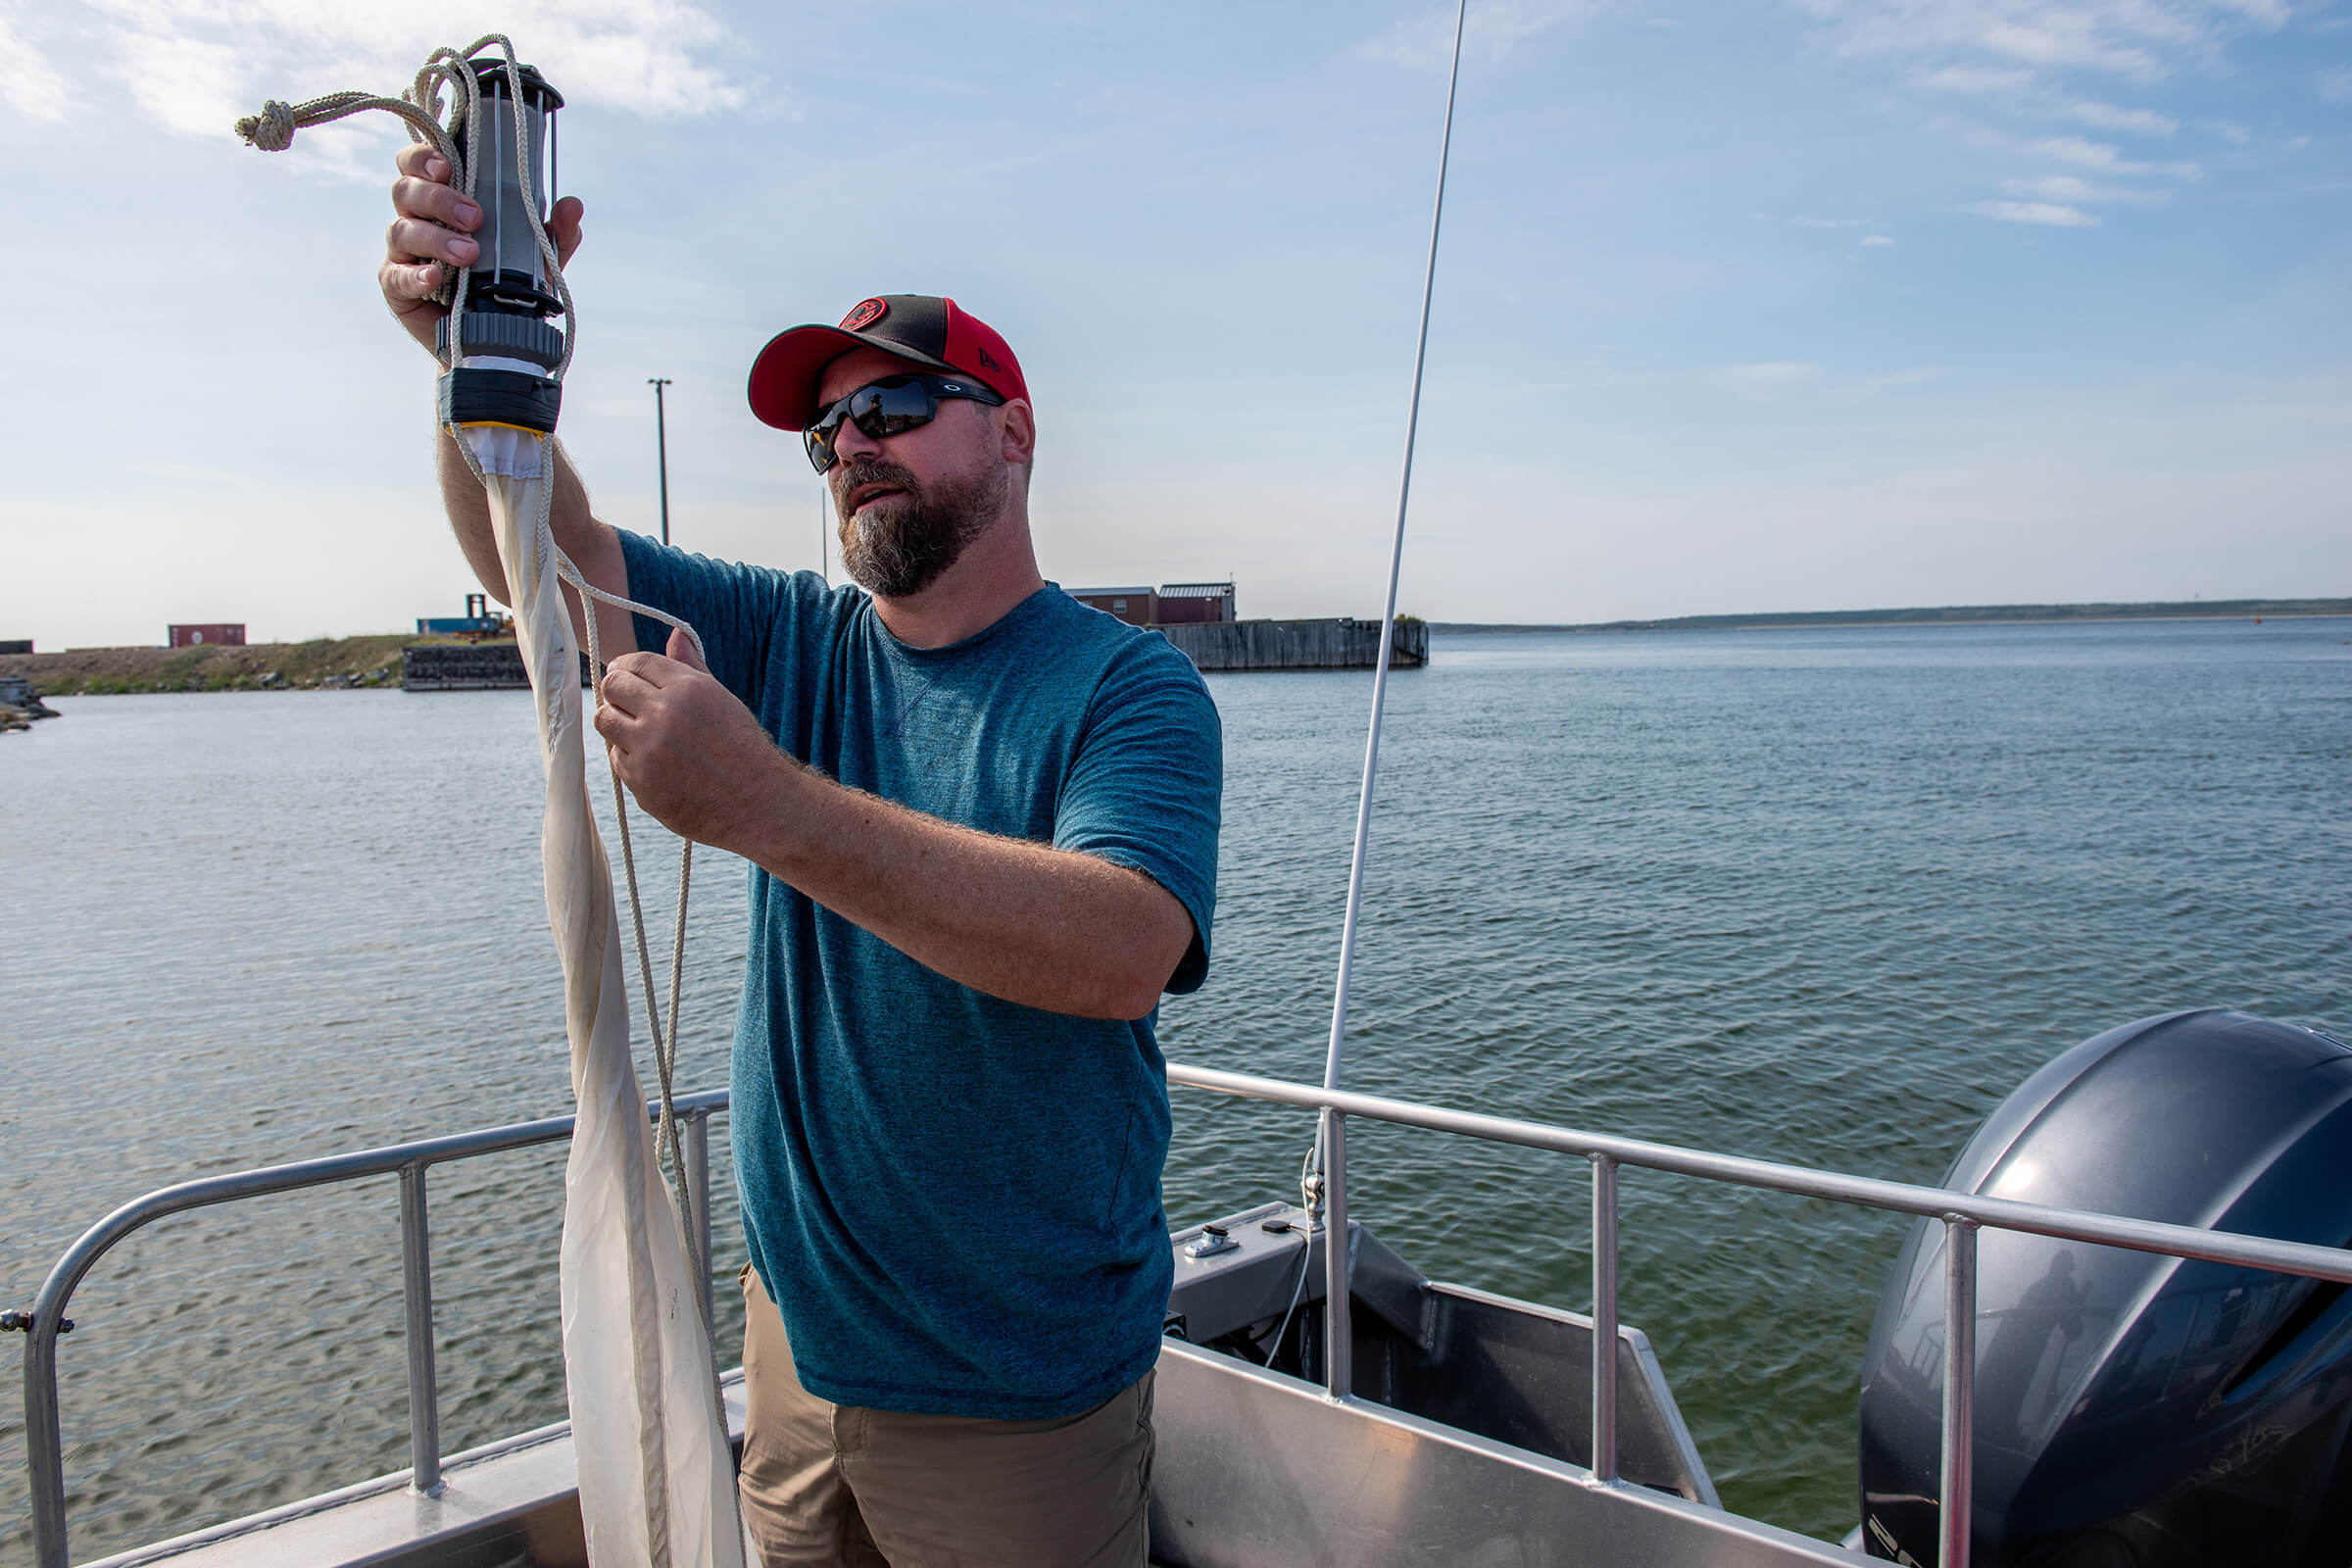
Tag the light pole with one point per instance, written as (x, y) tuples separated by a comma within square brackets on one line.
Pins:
[(662, 449)]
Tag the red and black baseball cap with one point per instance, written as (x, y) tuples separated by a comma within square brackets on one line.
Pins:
[(922, 329)]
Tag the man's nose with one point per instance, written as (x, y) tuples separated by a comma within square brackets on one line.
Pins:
[(850, 443)]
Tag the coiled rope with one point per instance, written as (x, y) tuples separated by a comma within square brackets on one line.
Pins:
[(430, 121)]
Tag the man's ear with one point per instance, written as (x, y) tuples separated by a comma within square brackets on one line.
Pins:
[(1019, 427)]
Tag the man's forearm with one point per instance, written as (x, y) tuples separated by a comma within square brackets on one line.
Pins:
[(592, 545), (1044, 927), (1048, 928)]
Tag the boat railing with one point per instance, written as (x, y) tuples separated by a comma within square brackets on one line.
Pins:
[(43, 1436), (1961, 1214)]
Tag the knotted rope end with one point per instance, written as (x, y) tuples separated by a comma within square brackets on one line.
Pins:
[(272, 130)]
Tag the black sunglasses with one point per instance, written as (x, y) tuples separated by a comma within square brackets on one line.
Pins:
[(885, 408)]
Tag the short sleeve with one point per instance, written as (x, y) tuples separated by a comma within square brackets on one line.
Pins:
[(737, 609), (1145, 788)]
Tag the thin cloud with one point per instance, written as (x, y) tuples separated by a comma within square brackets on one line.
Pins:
[(1490, 32), (1878, 239), (28, 83), (194, 70), (2109, 158), (1763, 381), (1994, 67), (2143, 40), (2071, 188), (2048, 214), (2228, 131), (2337, 86), (1977, 80), (1866, 388), (2114, 116)]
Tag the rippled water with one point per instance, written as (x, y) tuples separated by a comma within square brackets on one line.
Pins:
[(1816, 896)]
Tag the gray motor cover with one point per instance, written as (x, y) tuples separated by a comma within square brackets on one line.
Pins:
[(2132, 1410)]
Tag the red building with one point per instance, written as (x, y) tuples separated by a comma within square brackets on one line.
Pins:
[(1175, 604), (218, 633), (1183, 604), (1133, 605)]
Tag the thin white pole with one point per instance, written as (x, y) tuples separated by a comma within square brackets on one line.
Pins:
[(1387, 624), (662, 447)]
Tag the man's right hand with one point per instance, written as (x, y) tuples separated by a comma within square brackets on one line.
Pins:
[(434, 229)]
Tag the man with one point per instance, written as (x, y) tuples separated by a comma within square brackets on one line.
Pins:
[(982, 820)]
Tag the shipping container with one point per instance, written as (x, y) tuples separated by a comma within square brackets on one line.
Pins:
[(200, 633)]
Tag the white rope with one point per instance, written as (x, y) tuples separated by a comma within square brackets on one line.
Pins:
[(666, 1138)]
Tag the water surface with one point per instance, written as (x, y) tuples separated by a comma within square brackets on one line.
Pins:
[(1819, 895)]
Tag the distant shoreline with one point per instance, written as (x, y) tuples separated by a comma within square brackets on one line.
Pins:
[(369, 662), (1949, 616)]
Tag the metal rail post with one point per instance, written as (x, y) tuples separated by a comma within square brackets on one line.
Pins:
[(1604, 1318), (1959, 1388), (44, 1439), (1339, 1344), (416, 1294), (698, 1194)]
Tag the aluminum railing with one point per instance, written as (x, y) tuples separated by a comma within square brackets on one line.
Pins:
[(1960, 1213), (43, 1438)]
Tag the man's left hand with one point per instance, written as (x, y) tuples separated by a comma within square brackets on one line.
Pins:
[(691, 752)]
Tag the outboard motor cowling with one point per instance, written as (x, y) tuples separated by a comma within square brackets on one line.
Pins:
[(2134, 1410)]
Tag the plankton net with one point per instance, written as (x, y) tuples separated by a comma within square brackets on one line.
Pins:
[(657, 1479)]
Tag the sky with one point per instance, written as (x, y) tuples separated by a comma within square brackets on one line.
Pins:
[(1752, 304)]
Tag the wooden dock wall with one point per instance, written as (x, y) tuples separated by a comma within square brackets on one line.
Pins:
[(1340, 643)]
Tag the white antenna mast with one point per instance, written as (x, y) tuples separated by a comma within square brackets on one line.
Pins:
[(1326, 1189), (1387, 624)]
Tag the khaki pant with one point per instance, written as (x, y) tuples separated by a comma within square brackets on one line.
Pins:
[(849, 1487)]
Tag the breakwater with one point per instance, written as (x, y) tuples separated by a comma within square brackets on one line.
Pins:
[(322, 662), (468, 667), (1332, 643)]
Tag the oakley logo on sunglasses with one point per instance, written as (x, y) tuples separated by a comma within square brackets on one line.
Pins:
[(887, 408)]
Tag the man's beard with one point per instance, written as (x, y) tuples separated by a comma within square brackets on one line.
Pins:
[(900, 546)]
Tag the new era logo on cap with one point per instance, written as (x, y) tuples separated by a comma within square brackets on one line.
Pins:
[(923, 329)]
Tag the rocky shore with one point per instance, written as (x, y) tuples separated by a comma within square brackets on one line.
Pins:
[(21, 705)]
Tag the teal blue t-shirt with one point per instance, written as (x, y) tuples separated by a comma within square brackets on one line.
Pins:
[(955, 1200)]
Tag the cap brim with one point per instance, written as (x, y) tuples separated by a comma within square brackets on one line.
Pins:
[(785, 375)]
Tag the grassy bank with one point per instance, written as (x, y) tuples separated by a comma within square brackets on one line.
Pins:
[(324, 663)]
